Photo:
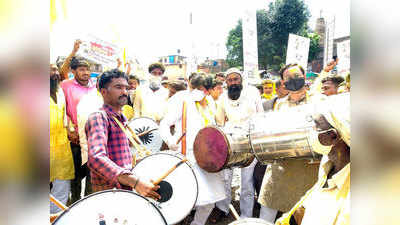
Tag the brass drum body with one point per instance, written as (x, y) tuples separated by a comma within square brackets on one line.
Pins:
[(283, 135)]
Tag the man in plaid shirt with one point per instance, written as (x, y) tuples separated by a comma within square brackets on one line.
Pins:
[(109, 156)]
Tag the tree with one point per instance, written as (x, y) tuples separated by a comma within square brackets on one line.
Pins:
[(314, 46), (273, 28), (234, 46)]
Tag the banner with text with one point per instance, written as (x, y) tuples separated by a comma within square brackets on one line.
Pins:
[(343, 53), (250, 50), (99, 51), (297, 50)]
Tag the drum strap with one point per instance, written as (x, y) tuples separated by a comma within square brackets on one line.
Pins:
[(183, 143), (135, 141)]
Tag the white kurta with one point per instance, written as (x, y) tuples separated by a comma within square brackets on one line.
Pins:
[(211, 185), (89, 103), (238, 112)]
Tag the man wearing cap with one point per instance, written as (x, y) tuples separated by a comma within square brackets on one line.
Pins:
[(74, 89), (286, 181), (328, 201), (235, 108)]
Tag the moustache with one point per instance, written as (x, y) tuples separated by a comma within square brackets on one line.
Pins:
[(123, 96)]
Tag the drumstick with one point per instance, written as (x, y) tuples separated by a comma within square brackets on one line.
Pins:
[(156, 182), (180, 139), (233, 210), (146, 132), (57, 203)]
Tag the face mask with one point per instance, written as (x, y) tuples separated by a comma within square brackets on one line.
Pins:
[(198, 95), (130, 92), (294, 84), (155, 83), (234, 91), (317, 146)]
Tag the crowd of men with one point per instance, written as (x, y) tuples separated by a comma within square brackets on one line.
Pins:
[(88, 139)]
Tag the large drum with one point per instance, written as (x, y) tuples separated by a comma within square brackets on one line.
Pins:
[(284, 134), (250, 221), (112, 207), (178, 190), (216, 148), (148, 133)]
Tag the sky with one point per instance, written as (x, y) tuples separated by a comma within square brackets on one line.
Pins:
[(154, 28)]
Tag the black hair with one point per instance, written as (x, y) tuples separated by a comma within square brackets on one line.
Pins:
[(336, 80), (77, 62), (107, 76), (133, 77), (191, 76), (281, 71), (334, 57), (220, 75), (209, 82), (155, 66), (197, 81)]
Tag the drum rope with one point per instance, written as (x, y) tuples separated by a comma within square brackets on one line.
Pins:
[(133, 138)]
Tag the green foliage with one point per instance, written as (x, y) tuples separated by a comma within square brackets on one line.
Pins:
[(273, 28), (314, 46)]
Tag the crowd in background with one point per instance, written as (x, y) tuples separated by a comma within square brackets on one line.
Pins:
[(72, 100)]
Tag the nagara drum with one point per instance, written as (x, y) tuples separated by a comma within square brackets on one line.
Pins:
[(216, 148), (112, 207), (179, 190)]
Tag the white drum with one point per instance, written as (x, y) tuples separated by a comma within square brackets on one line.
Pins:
[(181, 184), (112, 207), (148, 132), (250, 221)]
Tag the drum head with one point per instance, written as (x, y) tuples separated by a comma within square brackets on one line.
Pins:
[(182, 180), (211, 149), (250, 221), (152, 140), (113, 206)]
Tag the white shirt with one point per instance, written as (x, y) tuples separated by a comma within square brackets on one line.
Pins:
[(239, 111), (211, 186), (89, 103)]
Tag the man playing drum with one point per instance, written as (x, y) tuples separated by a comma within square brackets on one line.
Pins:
[(109, 156), (328, 201), (195, 111), (286, 181), (237, 105)]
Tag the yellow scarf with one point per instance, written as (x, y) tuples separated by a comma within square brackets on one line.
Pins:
[(206, 118)]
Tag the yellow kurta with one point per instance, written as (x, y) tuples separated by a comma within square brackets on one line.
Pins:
[(61, 161)]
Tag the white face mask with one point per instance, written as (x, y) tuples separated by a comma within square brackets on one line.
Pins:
[(198, 95), (155, 83), (317, 146)]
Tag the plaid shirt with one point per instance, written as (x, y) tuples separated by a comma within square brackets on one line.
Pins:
[(108, 149)]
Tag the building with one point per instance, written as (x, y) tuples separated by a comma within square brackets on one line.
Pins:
[(175, 66), (213, 66)]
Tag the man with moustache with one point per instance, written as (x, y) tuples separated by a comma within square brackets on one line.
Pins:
[(286, 181), (109, 156), (235, 108), (74, 89)]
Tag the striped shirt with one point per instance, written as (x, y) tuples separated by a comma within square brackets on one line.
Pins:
[(108, 149)]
